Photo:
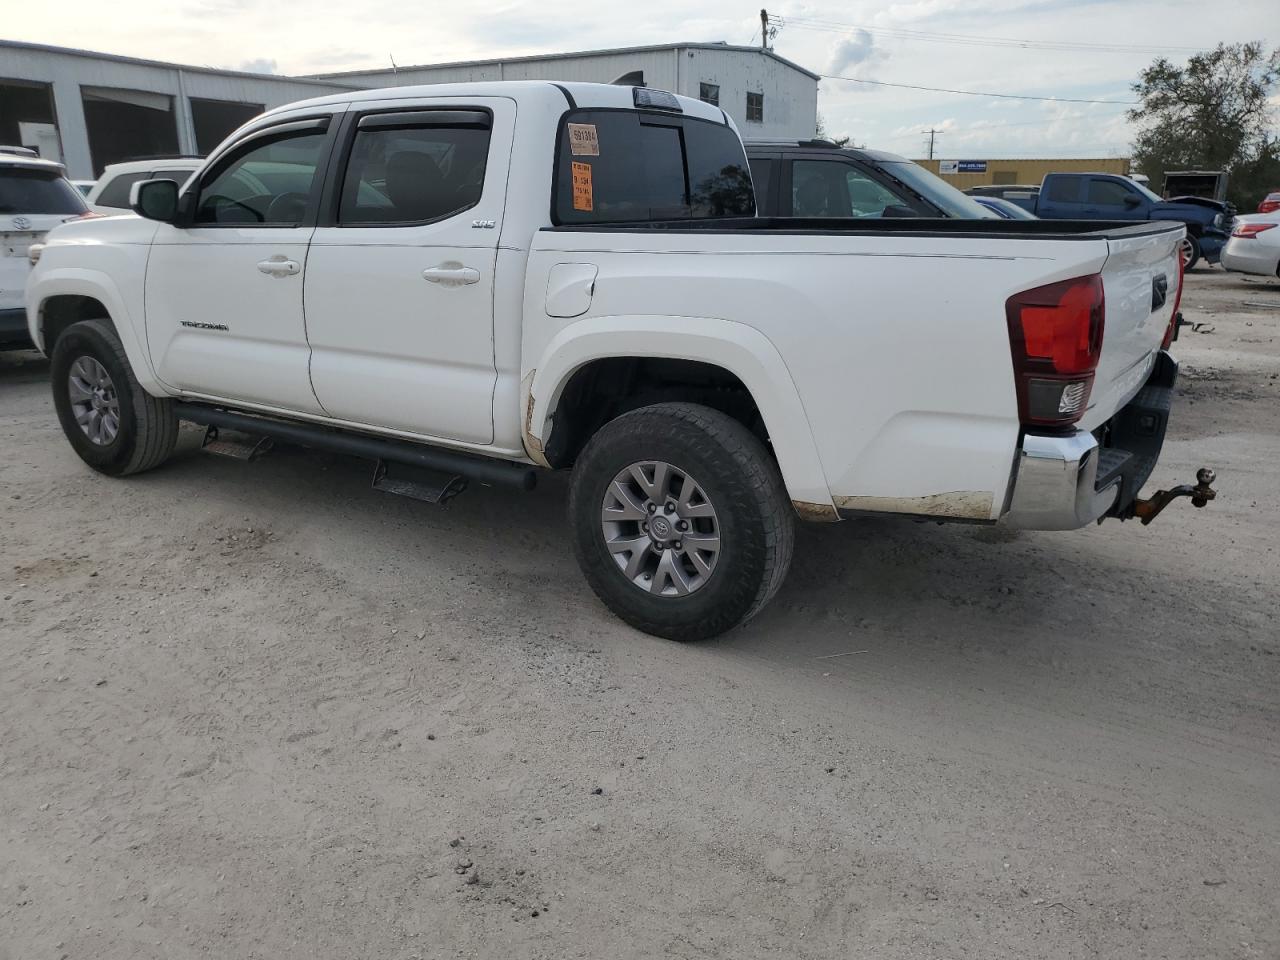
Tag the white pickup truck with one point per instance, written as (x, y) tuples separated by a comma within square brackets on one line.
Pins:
[(480, 281)]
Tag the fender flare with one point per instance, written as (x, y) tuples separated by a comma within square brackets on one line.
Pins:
[(741, 350), (81, 282)]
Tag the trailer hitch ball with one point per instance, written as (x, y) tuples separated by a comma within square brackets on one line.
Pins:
[(1202, 491), (1200, 494)]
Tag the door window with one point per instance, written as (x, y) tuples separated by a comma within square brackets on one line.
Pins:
[(1108, 193), (825, 188), (270, 184), (414, 174)]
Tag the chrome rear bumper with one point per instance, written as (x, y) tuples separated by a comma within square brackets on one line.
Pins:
[(1053, 486)]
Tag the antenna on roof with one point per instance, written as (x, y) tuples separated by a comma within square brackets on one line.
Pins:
[(394, 68)]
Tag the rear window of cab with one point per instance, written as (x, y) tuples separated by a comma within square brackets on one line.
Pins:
[(624, 166)]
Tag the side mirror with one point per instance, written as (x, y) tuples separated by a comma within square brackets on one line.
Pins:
[(155, 200), (1131, 201)]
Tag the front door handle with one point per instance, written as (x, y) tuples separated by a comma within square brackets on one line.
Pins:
[(451, 274), (279, 266)]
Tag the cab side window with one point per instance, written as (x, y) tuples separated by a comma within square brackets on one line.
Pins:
[(1108, 193), (271, 183), (826, 188), (1064, 190), (403, 171)]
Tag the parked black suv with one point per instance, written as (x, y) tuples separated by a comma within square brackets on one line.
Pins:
[(817, 178)]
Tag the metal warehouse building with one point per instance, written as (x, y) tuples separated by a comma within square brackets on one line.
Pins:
[(765, 94), (90, 109)]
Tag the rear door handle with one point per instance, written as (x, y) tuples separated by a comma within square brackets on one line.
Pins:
[(279, 266), (451, 274)]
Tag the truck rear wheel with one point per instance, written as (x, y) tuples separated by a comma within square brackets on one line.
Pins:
[(681, 522), (112, 423)]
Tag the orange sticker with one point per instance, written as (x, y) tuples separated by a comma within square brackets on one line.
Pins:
[(582, 187)]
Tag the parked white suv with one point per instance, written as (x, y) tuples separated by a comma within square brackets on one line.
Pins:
[(478, 281), (35, 196), (110, 195)]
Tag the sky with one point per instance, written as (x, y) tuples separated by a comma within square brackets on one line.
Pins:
[(1027, 47)]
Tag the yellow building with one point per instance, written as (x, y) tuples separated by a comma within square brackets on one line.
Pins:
[(964, 174)]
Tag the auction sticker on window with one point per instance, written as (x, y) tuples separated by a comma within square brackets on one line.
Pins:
[(583, 141), (582, 187)]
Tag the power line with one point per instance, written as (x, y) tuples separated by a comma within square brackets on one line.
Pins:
[(902, 33), (977, 93)]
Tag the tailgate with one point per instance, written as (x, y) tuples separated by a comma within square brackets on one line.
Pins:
[(1140, 283)]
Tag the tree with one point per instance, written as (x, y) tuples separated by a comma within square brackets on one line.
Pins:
[(820, 132), (1212, 114)]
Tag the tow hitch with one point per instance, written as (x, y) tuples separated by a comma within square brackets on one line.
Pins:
[(1147, 510)]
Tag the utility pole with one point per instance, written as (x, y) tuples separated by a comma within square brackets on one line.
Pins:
[(932, 133), (764, 29)]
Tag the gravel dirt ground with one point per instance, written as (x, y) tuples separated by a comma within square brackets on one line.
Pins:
[(260, 710)]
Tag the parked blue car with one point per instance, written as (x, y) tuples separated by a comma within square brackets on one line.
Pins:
[(1105, 196), (1005, 209)]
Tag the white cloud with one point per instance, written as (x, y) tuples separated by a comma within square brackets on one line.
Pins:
[(856, 49), (258, 65)]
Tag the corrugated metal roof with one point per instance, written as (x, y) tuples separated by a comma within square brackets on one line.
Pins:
[(563, 56)]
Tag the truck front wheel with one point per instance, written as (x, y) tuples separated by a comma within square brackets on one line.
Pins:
[(112, 423), (1189, 249), (681, 522)]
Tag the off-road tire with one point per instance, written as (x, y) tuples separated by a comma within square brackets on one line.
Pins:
[(148, 425), (740, 480)]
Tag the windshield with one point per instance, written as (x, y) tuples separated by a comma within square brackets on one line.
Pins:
[(937, 191), (1150, 195), (24, 190)]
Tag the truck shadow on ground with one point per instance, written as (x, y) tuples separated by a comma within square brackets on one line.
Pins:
[(914, 599)]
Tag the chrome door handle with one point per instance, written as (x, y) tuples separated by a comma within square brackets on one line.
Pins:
[(279, 267), (451, 274)]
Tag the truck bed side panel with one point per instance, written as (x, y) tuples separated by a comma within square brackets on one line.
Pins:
[(898, 344)]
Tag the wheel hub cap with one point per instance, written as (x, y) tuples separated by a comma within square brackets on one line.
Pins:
[(660, 528), (94, 403)]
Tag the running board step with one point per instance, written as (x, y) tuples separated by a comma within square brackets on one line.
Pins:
[(420, 483), (235, 444), (478, 469)]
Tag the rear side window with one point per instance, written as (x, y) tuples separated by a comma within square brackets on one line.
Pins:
[(415, 174), (1064, 190), (619, 166), (116, 192), (26, 190)]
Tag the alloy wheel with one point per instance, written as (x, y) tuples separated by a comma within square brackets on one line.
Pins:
[(94, 402), (660, 528)]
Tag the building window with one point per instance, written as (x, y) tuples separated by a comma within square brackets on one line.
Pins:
[(709, 93), (755, 108)]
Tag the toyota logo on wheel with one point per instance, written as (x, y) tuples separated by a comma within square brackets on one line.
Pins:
[(21, 223)]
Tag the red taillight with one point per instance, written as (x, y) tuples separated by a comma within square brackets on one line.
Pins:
[(1055, 333), (1175, 318), (1246, 230)]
